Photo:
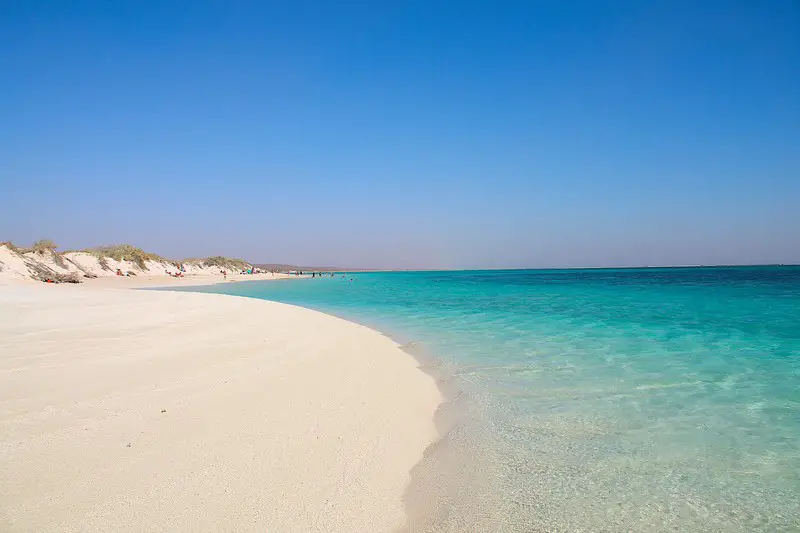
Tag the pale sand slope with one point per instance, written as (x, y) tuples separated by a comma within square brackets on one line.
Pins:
[(277, 418)]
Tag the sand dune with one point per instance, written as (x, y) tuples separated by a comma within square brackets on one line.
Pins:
[(161, 411), (29, 266)]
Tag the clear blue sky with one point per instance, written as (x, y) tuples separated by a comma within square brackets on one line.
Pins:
[(406, 133)]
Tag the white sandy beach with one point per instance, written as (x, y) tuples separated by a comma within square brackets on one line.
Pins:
[(138, 282), (125, 410)]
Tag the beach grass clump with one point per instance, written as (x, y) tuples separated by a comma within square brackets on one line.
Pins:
[(44, 245), (219, 261), (11, 246), (123, 252)]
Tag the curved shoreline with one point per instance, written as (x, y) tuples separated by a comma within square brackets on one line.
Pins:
[(450, 474), (137, 410)]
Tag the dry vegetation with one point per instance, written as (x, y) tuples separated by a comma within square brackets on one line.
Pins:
[(120, 252), (42, 273), (11, 246), (71, 277), (127, 252), (124, 252), (44, 245), (225, 262)]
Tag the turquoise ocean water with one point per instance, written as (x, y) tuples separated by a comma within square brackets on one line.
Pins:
[(595, 400)]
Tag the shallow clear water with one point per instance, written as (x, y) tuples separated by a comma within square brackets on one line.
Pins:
[(601, 400)]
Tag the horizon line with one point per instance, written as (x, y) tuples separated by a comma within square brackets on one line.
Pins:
[(628, 267)]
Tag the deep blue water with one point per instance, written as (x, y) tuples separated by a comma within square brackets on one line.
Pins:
[(599, 400)]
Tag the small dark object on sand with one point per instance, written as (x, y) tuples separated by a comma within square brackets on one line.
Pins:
[(163, 410)]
